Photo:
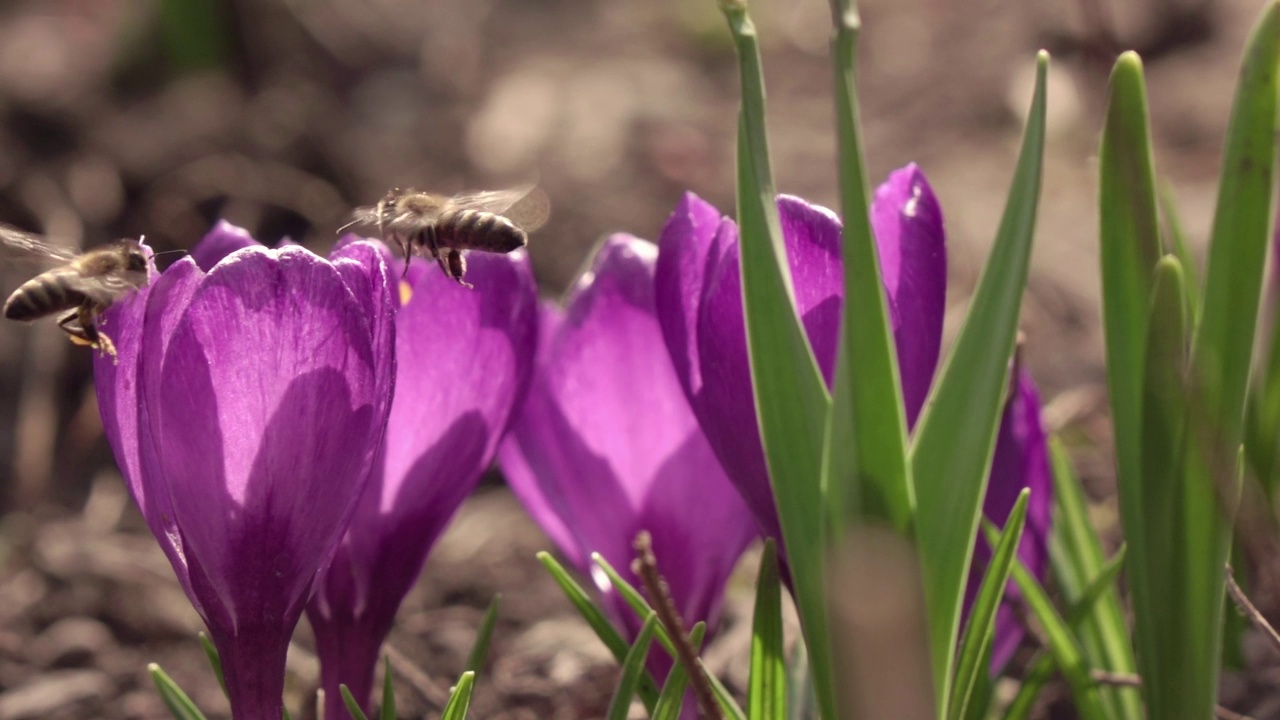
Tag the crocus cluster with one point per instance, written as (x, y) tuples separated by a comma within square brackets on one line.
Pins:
[(298, 431)]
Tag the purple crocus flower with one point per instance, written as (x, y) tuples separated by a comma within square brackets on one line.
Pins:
[(1021, 460), (606, 445), (699, 301), (247, 404), (465, 356), (699, 304)]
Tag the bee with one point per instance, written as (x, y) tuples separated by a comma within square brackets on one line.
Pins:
[(442, 226), (85, 284)]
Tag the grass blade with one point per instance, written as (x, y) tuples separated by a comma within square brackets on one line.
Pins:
[(767, 689), (671, 700), (975, 646), (634, 600), (388, 711), (460, 699), (1066, 653), (178, 702), (349, 700), (215, 662), (956, 432), (632, 669), (1078, 564), (604, 629), (484, 635), (866, 448)]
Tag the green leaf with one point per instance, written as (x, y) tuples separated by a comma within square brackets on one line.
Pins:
[(866, 448), (604, 630), (1176, 242), (460, 699), (1080, 570), (178, 702), (480, 651), (215, 663), (976, 643), (1066, 653), (634, 600), (632, 670), (388, 711), (791, 398), (767, 688), (672, 698), (353, 706), (728, 705), (955, 434)]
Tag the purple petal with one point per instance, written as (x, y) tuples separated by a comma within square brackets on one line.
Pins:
[(220, 242), (607, 446), (726, 405), (680, 279), (464, 359), (913, 262), (1020, 461)]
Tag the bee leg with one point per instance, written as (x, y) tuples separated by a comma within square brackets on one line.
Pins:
[(457, 266), (75, 330), (85, 331)]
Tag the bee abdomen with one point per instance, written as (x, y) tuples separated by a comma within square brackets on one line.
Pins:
[(479, 230), (40, 296)]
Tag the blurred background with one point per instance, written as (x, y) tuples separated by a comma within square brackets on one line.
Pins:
[(157, 117)]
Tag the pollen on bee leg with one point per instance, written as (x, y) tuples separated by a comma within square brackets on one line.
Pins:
[(105, 345), (406, 292)]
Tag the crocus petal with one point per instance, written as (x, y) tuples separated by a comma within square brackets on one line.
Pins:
[(220, 242), (716, 376), (607, 446), (1020, 461), (464, 358), (913, 262), (680, 279), (265, 399)]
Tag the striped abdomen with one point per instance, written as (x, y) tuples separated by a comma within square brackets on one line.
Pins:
[(42, 295), (478, 230)]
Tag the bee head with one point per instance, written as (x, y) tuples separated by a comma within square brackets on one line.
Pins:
[(135, 260)]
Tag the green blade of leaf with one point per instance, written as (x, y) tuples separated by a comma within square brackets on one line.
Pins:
[(1040, 670), (727, 704), (353, 706), (1078, 565), (671, 700), (632, 669), (956, 431), (976, 643), (1066, 653), (178, 702), (388, 711), (791, 398), (215, 663), (1176, 242), (634, 600), (604, 630), (866, 448), (767, 687), (484, 634), (460, 699)]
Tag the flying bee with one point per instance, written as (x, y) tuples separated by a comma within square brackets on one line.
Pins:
[(442, 227), (85, 284)]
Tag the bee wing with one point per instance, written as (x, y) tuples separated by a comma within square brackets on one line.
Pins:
[(526, 205), (17, 243), (101, 288)]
